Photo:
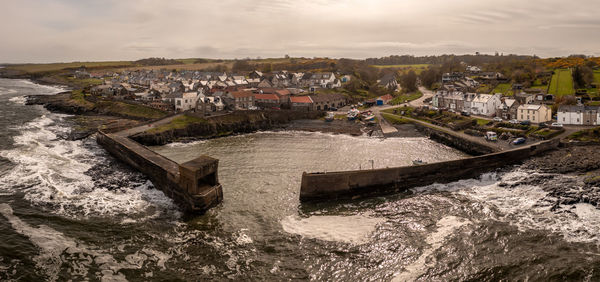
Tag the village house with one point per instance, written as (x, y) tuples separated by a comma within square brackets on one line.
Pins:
[(242, 100), (301, 103), (388, 81), (453, 76), (327, 101), (322, 79), (382, 100), (578, 115), (508, 109), (534, 113), (484, 104), (182, 101), (266, 101)]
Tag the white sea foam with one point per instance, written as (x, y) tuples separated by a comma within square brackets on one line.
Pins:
[(353, 229), (52, 171), (527, 206), (18, 100), (445, 227)]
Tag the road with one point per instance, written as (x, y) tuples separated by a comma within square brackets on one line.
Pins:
[(142, 128)]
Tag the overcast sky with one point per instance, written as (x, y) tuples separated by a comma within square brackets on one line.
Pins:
[(81, 30)]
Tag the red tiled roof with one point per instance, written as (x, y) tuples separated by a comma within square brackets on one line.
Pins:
[(283, 92), (386, 97), (241, 94), (301, 99), (266, 97)]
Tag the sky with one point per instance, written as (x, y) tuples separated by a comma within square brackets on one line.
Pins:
[(90, 30)]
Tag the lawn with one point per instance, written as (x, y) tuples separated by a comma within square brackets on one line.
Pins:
[(406, 97), (177, 123), (417, 68), (394, 119), (133, 110), (561, 83), (504, 88)]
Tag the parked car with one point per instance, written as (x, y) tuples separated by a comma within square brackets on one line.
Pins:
[(513, 121), (519, 141), (434, 108), (275, 108), (525, 122), (497, 119), (556, 124), (333, 109), (464, 113), (491, 136)]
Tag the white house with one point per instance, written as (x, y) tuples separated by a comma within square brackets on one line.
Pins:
[(534, 113), (485, 104), (185, 101), (578, 115)]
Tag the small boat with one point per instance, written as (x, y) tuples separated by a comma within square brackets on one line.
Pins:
[(330, 116), (353, 114), (419, 162), (368, 116)]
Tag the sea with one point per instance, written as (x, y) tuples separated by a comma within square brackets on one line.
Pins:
[(70, 211)]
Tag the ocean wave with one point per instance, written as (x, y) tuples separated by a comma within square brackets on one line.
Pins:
[(58, 252), (59, 174)]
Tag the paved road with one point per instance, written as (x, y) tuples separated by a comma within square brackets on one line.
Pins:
[(142, 128)]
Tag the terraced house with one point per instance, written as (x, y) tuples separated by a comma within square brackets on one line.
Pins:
[(579, 115)]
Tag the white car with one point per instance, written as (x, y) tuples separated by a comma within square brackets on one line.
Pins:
[(497, 119), (556, 124), (514, 121)]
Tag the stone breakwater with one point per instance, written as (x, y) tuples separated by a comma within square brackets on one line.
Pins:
[(194, 185), (347, 184), (224, 125)]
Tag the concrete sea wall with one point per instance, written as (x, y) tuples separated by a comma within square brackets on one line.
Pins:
[(193, 185), (348, 184)]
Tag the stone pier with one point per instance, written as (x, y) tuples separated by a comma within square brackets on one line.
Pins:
[(194, 185)]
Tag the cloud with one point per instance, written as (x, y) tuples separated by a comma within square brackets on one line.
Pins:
[(133, 29)]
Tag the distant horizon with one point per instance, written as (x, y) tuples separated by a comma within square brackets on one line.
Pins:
[(281, 57)]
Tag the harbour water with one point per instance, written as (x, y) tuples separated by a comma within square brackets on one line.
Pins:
[(68, 210)]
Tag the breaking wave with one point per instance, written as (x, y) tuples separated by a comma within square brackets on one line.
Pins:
[(76, 178)]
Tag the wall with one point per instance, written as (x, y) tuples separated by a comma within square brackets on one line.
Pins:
[(164, 173), (464, 145), (331, 185)]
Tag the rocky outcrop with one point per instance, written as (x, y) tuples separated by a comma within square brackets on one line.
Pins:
[(60, 102), (218, 126)]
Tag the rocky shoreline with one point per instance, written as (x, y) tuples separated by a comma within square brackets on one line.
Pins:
[(571, 175)]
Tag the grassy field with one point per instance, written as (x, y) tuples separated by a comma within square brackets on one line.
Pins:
[(504, 88), (561, 83), (394, 119), (417, 68), (33, 68), (406, 97), (177, 123), (132, 110)]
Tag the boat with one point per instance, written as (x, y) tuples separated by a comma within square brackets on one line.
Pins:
[(330, 116), (353, 114), (419, 162), (368, 116)]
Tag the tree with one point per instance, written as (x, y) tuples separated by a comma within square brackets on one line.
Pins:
[(583, 76), (267, 68), (430, 76), (241, 65), (408, 81)]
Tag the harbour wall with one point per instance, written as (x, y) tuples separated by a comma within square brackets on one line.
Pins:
[(193, 185), (454, 141), (349, 184)]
